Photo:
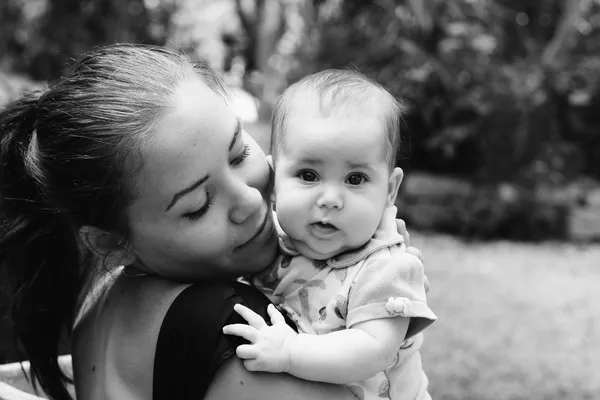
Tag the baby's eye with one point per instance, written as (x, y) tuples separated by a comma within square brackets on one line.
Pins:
[(356, 179), (307, 176)]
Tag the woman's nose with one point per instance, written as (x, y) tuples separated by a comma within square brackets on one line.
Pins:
[(331, 197), (247, 201)]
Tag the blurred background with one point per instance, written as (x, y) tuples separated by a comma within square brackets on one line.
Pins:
[(501, 150)]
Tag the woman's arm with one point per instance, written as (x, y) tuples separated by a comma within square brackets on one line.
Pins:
[(233, 381)]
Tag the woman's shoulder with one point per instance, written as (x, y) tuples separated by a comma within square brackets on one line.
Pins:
[(191, 346), (233, 381), (116, 333), (195, 360)]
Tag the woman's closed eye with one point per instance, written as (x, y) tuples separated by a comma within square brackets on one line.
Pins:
[(356, 179), (240, 159), (194, 215)]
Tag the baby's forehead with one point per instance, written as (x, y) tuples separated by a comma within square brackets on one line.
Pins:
[(335, 101), (334, 139)]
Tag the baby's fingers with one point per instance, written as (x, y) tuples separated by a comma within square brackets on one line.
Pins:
[(415, 252), (401, 226), (252, 365), (242, 330), (246, 352), (250, 316), (276, 316)]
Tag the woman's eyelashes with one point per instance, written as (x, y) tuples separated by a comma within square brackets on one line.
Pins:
[(194, 215), (240, 159)]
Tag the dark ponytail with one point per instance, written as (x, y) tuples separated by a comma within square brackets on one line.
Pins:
[(70, 159), (38, 250)]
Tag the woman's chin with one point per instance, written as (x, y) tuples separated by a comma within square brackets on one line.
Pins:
[(261, 260)]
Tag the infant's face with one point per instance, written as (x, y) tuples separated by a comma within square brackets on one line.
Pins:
[(332, 183)]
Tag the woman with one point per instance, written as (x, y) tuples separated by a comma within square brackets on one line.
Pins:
[(136, 158)]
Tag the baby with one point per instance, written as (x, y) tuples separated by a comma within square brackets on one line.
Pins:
[(343, 274)]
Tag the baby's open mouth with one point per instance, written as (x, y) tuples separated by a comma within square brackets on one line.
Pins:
[(323, 230), (325, 225)]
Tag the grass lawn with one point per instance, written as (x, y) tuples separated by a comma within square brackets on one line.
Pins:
[(516, 321)]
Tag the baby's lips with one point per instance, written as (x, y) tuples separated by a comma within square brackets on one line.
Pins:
[(329, 224)]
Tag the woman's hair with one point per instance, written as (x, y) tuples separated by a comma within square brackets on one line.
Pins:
[(69, 158)]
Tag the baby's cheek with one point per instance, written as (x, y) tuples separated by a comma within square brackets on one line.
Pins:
[(363, 223), (285, 196), (288, 216)]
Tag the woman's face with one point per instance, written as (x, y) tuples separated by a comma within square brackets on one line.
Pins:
[(202, 208)]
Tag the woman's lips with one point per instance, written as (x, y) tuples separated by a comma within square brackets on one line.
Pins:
[(263, 229)]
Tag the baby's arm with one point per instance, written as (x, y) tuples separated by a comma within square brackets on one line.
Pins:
[(348, 355), (339, 357)]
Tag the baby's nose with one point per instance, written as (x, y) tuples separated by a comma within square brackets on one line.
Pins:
[(331, 197)]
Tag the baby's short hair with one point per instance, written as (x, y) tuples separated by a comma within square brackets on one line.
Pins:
[(337, 90)]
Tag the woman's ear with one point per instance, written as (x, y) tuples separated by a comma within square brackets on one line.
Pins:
[(107, 246), (394, 185)]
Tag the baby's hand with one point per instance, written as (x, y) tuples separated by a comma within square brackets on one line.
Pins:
[(270, 345)]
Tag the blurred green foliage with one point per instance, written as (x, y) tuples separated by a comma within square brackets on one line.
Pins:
[(500, 93), (483, 104), (40, 36)]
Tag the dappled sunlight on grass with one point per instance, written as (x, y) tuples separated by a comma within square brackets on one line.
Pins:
[(515, 320)]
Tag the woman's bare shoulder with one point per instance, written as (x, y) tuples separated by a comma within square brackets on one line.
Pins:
[(233, 381), (115, 336)]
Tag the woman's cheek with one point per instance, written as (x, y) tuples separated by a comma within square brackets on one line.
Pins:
[(261, 173)]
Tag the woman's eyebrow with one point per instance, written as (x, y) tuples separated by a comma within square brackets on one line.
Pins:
[(236, 134), (195, 185), (185, 191)]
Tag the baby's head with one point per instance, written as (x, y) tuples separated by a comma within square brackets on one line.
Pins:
[(335, 139), (335, 94)]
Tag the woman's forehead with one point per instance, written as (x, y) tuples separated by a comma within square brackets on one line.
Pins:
[(195, 96), (191, 139)]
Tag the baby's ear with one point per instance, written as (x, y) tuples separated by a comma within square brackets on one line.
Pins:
[(394, 185), (270, 162)]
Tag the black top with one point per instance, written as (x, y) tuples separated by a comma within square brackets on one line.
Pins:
[(191, 345)]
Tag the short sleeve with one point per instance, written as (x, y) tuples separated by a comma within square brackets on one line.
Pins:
[(391, 284), (191, 345)]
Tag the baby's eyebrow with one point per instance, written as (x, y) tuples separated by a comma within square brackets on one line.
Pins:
[(357, 165), (353, 165), (311, 161)]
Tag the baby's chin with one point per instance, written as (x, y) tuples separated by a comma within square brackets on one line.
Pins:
[(318, 254)]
